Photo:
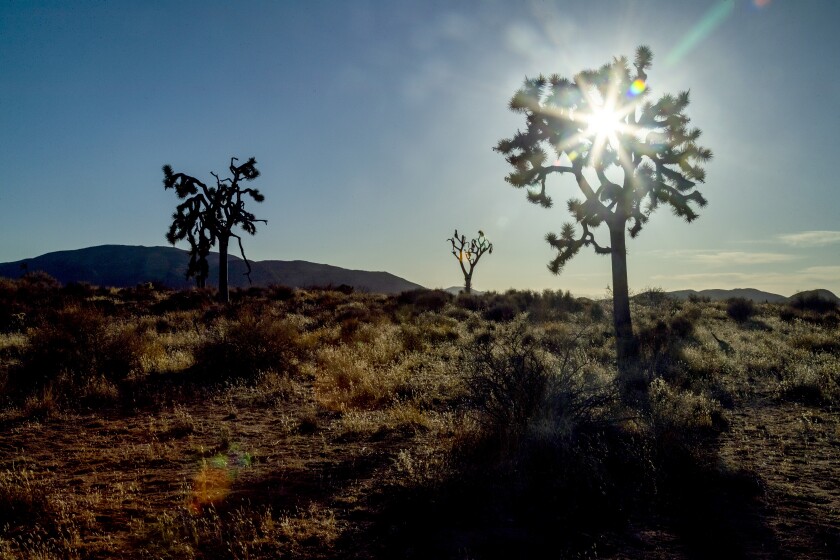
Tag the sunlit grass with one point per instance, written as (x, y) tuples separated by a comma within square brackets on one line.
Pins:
[(308, 425)]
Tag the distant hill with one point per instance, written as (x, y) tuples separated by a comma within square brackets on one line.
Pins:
[(455, 290), (129, 265), (721, 295), (822, 294)]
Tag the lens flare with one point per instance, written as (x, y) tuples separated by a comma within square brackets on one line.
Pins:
[(210, 486), (713, 18), (637, 87)]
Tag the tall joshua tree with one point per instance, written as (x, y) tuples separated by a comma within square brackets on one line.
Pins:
[(641, 153), (469, 253), (209, 214)]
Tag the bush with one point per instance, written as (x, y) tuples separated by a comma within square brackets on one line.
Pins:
[(653, 297), (813, 302), (501, 312), (281, 293), (508, 378), (682, 326), (248, 345), (524, 379), (75, 347), (185, 300), (78, 290), (740, 309), (425, 300), (683, 415), (814, 380), (470, 302)]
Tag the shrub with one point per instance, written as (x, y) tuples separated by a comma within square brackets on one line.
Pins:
[(281, 293), (523, 379), (508, 378), (682, 326), (814, 380), (470, 302), (23, 500), (363, 376), (814, 302), (185, 300), (78, 290), (501, 312), (247, 345), (653, 297), (596, 312), (425, 300), (75, 347), (683, 415), (740, 309)]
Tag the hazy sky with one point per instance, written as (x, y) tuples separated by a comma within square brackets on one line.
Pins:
[(373, 124)]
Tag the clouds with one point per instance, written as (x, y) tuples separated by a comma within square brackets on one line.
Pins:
[(726, 258), (777, 272), (810, 238)]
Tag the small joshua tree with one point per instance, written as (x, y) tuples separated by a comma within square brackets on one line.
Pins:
[(469, 253), (643, 155), (209, 214)]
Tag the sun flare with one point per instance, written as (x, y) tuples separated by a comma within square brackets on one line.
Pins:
[(604, 122)]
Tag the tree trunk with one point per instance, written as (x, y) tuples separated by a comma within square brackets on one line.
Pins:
[(624, 340), (468, 284), (224, 295)]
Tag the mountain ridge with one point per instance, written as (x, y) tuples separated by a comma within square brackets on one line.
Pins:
[(129, 265), (753, 294)]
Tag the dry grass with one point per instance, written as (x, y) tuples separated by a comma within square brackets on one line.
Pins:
[(322, 424)]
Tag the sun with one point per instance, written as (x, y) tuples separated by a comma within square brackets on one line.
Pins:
[(604, 122)]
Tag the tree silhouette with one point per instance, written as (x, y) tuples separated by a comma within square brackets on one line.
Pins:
[(642, 154), (469, 253), (209, 214)]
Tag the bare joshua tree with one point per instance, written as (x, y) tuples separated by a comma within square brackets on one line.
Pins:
[(469, 253), (642, 154), (209, 215)]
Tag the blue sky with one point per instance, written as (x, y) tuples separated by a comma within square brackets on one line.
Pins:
[(373, 124)]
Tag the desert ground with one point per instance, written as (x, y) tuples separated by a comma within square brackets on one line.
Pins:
[(326, 423)]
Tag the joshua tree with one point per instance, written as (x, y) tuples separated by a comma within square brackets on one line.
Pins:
[(642, 154), (469, 253), (209, 214)]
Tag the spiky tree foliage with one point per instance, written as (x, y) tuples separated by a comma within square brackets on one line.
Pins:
[(627, 154), (209, 214), (469, 253)]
